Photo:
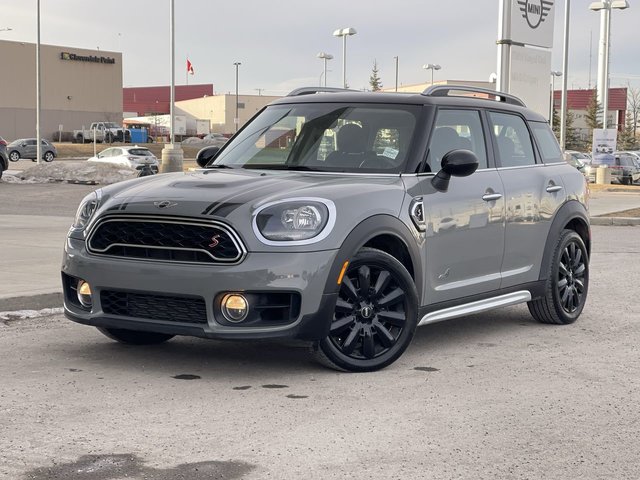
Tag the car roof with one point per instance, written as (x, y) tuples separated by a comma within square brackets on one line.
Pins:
[(356, 97)]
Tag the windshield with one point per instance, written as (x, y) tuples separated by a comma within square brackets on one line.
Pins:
[(362, 138)]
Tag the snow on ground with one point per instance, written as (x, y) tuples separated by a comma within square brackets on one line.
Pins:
[(73, 172)]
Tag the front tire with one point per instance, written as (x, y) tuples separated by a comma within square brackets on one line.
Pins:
[(48, 157), (14, 156), (567, 282), (375, 317), (134, 337)]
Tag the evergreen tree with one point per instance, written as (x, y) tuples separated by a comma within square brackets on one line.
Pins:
[(594, 112), (572, 140), (626, 138), (374, 79)]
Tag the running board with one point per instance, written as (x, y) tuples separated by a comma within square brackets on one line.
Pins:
[(476, 307)]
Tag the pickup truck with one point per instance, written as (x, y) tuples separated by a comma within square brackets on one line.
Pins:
[(106, 132)]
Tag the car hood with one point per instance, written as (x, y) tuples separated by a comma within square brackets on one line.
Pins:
[(232, 196)]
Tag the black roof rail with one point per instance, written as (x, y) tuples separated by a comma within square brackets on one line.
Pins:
[(312, 90), (443, 91)]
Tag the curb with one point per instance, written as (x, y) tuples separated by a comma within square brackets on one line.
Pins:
[(31, 302), (615, 221)]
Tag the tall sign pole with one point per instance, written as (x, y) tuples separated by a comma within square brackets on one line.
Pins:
[(504, 46), (38, 89)]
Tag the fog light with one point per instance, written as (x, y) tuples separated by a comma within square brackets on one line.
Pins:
[(235, 308), (84, 293)]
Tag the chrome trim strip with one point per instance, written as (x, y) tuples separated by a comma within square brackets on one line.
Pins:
[(476, 307), (242, 251)]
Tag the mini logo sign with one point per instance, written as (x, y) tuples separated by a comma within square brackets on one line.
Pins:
[(165, 204), (535, 11), (87, 58)]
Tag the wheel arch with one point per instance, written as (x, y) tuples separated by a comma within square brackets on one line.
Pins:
[(382, 232), (572, 216)]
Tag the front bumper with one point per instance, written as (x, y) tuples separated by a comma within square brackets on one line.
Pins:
[(302, 274)]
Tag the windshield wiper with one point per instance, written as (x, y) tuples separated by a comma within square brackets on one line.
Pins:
[(293, 168), (219, 165)]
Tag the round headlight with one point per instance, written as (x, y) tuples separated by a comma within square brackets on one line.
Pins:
[(294, 220), (87, 208)]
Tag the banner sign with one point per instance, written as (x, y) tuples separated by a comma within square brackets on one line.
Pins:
[(604, 144), (532, 22)]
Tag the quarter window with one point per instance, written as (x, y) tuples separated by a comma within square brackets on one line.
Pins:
[(514, 142)]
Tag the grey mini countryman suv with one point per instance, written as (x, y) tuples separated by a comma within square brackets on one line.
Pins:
[(342, 218)]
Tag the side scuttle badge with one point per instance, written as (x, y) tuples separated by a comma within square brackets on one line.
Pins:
[(416, 212)]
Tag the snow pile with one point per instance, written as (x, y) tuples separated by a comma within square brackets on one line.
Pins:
[(73, 172), (27, 314)]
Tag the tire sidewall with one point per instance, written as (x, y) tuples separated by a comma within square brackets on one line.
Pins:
[(379, 258)]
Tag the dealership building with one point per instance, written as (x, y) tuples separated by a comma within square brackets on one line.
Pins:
[(78, 87)]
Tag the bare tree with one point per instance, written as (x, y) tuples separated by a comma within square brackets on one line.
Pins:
[(633, 104)]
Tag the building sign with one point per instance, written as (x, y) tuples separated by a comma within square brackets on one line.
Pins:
[(86, 58), (532, 22)]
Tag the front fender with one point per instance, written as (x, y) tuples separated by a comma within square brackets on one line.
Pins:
[(364, 232)]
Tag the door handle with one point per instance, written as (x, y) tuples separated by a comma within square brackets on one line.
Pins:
[(490, 197), (554, 188)]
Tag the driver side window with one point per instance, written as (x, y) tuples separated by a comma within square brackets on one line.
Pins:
[(456, 130)]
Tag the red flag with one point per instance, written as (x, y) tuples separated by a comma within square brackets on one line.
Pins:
[(189, 67)]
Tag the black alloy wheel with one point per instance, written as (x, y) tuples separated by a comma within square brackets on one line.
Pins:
[(14, 156), (375, 315), (567, 282)]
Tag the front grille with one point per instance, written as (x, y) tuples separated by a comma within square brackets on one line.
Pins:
[(154, 307), (165, 240)]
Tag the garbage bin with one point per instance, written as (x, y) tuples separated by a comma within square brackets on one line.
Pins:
[(603, 175)]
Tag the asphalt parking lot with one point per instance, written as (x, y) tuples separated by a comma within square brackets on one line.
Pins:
[(489, 396)]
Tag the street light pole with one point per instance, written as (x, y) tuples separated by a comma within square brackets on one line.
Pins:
[(605, 7), (344, 33), (237, 119), (565, 70), (432, 67), (554, 74), (396, 59), (325, 56)]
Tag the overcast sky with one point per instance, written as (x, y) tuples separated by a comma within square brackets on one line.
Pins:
[(277, 41)]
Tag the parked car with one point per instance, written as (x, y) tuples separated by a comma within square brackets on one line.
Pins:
[(133, 156), (626, 169), (468, 207), (28, 148), (578, 160), (4, 161)]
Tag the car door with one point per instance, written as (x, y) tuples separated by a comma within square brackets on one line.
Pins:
[(464, 225), (533, 190), (30, 149)]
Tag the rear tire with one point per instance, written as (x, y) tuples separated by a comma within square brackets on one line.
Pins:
[(134, 337), (80, 138), (567, 282), (375, 317)]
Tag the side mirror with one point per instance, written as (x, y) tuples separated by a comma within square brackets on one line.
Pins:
[(205, 155), (456, 163)]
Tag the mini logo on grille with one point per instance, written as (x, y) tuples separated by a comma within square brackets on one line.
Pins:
[(165, 204), (214, 241)]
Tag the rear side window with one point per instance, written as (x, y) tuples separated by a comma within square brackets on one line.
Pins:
[(514, 142), (547, 142)]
